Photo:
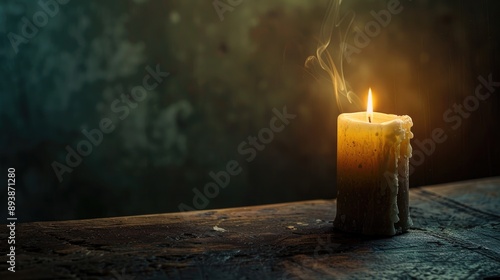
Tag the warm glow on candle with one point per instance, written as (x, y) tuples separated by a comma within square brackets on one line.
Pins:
[(369, 107)]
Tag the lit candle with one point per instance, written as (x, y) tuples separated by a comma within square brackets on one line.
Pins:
[(373, 151)]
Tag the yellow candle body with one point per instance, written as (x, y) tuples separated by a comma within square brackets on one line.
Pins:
[(372, 173)]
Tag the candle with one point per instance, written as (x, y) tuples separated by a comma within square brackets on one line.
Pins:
[(373, 151)]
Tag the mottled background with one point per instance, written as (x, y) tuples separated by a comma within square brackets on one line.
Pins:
[(226, 76)]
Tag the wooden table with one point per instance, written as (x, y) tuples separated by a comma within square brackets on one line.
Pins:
[(456, 234)]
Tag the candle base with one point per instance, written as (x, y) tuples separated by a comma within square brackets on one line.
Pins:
[(382, 211), (375, 206), (372, 213)]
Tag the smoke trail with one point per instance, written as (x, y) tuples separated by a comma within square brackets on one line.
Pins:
[(331, 29)]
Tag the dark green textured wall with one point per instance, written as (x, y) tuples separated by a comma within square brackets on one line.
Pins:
[(227, 71)]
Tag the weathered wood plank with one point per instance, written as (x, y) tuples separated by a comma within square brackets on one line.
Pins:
[(456, 234)]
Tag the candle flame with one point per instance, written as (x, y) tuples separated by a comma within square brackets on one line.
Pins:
[(369, 107)]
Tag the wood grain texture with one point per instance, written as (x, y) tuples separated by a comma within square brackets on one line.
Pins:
[(456, 234)]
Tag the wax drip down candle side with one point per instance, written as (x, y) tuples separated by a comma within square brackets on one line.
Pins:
[(373, 154)]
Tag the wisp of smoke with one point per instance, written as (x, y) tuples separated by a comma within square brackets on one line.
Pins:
[(333, 64)]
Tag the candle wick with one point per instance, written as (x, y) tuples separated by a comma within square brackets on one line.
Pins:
[(369, 119)]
